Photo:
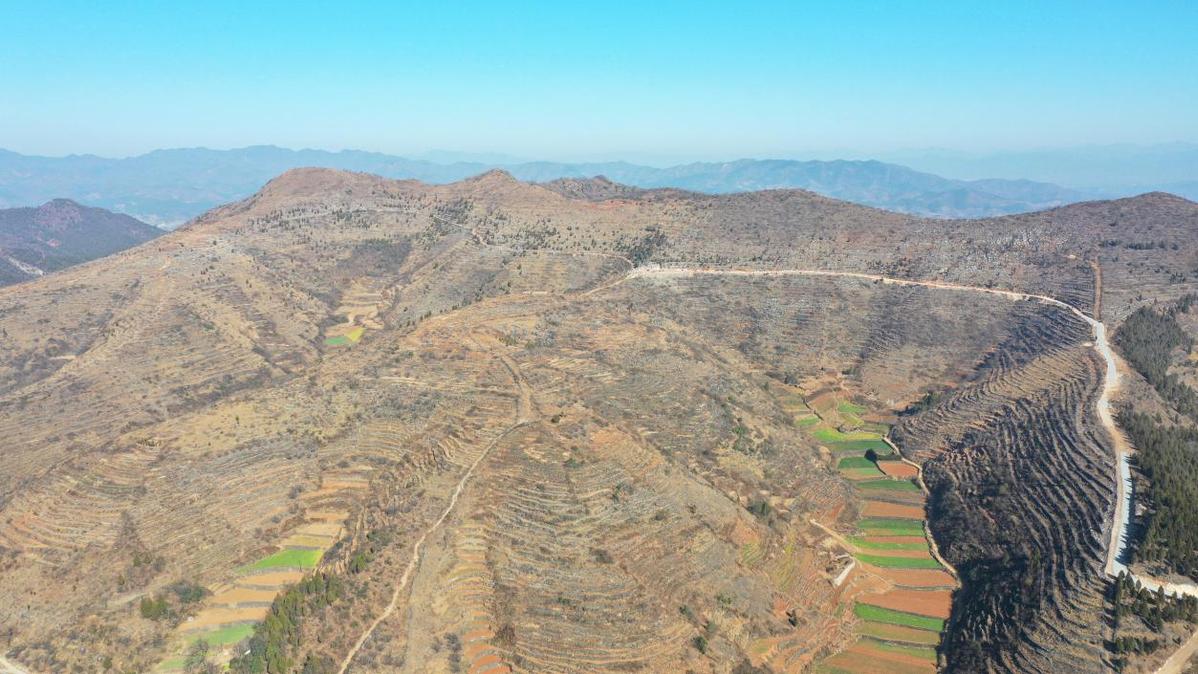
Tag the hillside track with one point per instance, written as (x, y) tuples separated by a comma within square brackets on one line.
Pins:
[(524, 416)]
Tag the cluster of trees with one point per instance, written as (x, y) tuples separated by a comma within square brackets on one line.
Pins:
[(272, 647), (1147, 340), (1168, 456), (1153, 608), (161, 607)]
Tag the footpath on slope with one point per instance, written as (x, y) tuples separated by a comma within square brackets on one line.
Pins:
[(525, 415)]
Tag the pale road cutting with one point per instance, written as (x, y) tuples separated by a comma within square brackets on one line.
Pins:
[(1118, 542), (1123, 450)]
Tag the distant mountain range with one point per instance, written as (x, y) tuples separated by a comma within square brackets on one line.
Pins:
[(1103, 170), (61, 233), (168, 187)]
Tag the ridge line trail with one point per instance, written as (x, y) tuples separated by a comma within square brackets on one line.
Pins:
[(525, 415)]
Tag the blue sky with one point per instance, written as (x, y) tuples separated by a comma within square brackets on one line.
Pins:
[(584, 80)]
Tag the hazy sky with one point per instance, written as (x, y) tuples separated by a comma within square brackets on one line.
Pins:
[(591, 79)]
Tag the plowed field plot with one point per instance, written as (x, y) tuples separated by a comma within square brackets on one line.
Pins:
[(898, 469), (898, 562), (889, 485), (890, 526), (859, 446), (885, 509), (863, 658), (934, 603), (858, 468), (906, 543), (893, 617), (899, 633)]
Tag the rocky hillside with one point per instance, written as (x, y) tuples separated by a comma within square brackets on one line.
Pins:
[(61, 233), (488, 432)]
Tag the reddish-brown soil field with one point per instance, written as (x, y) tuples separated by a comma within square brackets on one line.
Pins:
[(884, 509), (916, 577), (894, 539), (935, 603), (898, 469), (865, 660)]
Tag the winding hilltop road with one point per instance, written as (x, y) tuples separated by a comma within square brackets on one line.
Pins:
[(1110, 386), (1111, 380)]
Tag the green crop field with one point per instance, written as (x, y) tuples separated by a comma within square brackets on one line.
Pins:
[(859, 446), (899, 562), (846, 407), (886, 545), (889, 485), (287, 559), (855, 462), (892, 527), (834, 435), (899, 633), (804, 422), (886, 615), (921, 652), (227, 635)]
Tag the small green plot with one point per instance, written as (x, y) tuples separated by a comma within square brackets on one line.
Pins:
[(920, 652), (892, 526), (846, 407), (886, 615), (887, 545), (834, 435), (855, 462), (287, 559), (804, 422), (339, 340), (859, 446), (227, 635), (899, 634), (889, 485), (899, 562)]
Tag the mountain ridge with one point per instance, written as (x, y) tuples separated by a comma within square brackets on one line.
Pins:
[(61, 233), (170, 186)]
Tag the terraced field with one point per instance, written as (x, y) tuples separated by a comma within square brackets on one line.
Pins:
[(520, 445), (900, 594)]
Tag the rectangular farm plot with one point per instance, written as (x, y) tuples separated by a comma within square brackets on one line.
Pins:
[(889, 485), (887, 510), (893, 617), (858, 468), (287, 559), (859, 446), (899, 634), (899, 562), (898, 469), (933, 603), (226, 636), (887, 543), (887, 526), (921, 652), (833, 435)]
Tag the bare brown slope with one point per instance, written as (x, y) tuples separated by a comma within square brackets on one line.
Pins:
[(177, 413)]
